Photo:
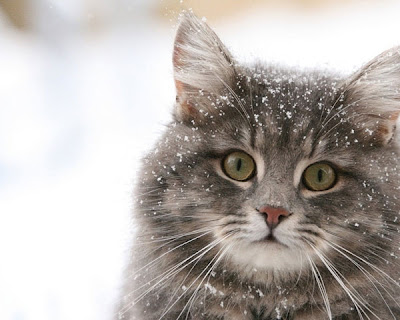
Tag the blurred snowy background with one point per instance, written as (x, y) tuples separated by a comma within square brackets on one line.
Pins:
[(85, 88)]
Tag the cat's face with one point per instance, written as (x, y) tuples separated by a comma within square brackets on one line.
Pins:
[(275, 169)]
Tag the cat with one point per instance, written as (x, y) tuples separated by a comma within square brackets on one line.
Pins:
[(272, 194)]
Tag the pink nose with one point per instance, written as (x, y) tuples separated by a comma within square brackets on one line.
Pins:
[(274, 215)]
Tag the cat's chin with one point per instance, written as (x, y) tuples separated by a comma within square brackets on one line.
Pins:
[(268, 255)]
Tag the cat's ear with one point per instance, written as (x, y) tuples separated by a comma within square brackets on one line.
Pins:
[(374, 95), (202, 67)]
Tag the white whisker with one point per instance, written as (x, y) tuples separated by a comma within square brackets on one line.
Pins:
[(192, 298), (368, 275), (171, 272), (169, 308), (357, 300), (321, 286), (246, 115)]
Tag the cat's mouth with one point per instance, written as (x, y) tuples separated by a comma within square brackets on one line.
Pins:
[(271, 239)]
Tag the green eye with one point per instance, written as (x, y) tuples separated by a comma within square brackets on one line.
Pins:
[(319, 177), (239, 166)]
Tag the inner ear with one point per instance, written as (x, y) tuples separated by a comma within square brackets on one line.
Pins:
[(391, 135), (388, 131)]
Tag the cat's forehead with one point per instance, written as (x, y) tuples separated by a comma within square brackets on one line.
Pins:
[(279, 89), (285, 116), (287, 104)]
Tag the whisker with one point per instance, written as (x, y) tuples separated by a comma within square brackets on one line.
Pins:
[(183, 281), (368, 275), (321, 286), (171, 272), (246, 115), (357, 300), (192, 298), (384, 274), (369, 264), (170, 307), (175, 237), (341, 95), (173, 249), (301, 270)]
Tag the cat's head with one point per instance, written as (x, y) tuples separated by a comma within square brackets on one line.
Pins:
[(275, 169)]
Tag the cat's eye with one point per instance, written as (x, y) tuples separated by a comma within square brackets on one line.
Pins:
[(239, 166), (319, 177)]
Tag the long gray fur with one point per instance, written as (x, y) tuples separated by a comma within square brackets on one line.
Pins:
[(195, 255)]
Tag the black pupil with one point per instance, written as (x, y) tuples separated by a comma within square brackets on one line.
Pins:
[(239, 164), (320, 174)]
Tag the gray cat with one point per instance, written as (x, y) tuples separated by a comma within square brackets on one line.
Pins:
[(273, 193)]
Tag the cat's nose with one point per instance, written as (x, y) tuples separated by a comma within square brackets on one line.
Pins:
[(273, 215)]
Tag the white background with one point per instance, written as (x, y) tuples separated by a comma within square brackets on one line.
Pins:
[(77, 111)]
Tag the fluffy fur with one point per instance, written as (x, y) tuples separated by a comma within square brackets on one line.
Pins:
[(200, 252)]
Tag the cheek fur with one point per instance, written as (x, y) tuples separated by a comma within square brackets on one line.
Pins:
[(256, 228)]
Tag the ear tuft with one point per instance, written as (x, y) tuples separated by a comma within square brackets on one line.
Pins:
[(202, 65)]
